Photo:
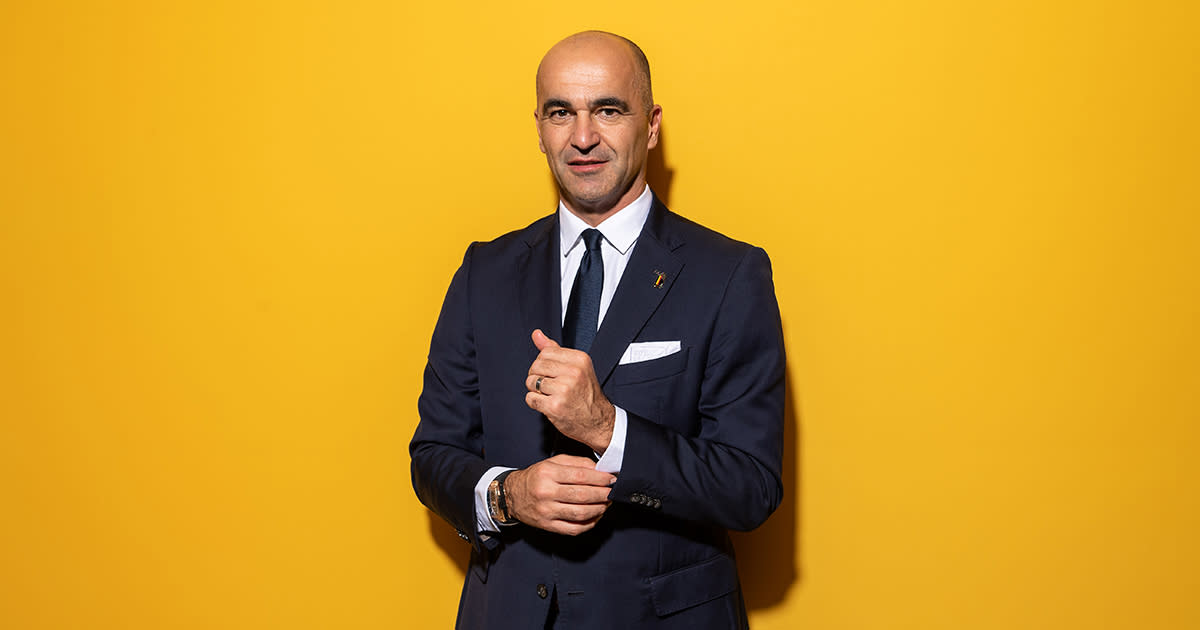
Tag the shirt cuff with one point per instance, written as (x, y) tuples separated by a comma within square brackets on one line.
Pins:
[(483, 516), (614, 455)]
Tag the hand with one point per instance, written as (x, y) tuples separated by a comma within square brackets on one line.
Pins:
[(569, 396), (563, 494)]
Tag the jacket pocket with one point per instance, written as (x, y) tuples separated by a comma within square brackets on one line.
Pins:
[(669, 365), (693, 585)]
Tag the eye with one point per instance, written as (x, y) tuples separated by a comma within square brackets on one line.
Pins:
[(558, 114), (608, 112)]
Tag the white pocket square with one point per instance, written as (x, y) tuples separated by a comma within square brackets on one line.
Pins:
[(648, 350)]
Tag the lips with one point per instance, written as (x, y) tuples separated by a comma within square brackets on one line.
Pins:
[(586, 166)]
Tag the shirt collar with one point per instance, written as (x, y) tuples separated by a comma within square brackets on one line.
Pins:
[(620, 230)]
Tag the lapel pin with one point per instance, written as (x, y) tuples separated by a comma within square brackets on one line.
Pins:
[(660, 279)]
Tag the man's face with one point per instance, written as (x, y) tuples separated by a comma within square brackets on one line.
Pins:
[(593, 126)]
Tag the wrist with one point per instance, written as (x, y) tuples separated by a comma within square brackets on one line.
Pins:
[(604, 433)]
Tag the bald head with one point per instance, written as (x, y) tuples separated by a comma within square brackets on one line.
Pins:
[(605, 47)]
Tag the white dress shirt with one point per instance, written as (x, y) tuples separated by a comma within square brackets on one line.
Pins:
[(620, 233)]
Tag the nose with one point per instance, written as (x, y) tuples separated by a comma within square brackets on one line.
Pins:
[(584, 136)]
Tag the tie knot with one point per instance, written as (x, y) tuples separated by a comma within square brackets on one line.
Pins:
[(591, 238)]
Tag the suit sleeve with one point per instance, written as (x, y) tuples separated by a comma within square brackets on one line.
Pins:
[(447, 447), (728, 474)]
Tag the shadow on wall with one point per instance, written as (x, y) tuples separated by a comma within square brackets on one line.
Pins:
[(658, 174), (766, 556), (448, 541)]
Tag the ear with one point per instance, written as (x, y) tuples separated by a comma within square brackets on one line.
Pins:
[(537, 123), (655, 124)]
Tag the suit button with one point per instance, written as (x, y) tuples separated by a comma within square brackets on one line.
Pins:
[(542, 591), (462, 535)]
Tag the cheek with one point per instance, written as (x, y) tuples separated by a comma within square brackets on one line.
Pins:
[(627, 142), (548, 138), (555, 141)]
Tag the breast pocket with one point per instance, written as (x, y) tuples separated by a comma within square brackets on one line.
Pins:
[(654, 369)]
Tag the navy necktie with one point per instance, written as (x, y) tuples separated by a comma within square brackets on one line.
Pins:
[(583, 309)]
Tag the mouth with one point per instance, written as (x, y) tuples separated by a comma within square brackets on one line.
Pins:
[(585, 165)]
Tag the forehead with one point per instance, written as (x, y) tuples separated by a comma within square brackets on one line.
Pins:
[(578, 75)]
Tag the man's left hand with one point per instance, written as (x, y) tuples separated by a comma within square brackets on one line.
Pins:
[(569, 395)]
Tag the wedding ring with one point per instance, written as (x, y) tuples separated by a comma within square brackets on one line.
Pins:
[(538, 384)]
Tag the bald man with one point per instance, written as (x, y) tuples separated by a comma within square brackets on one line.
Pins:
[(605, 388)]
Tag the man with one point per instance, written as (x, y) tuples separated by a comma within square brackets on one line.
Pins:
[(604, 393)]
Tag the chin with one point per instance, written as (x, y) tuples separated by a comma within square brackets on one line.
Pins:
[(588, 196)]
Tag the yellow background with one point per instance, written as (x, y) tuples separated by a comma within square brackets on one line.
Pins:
[(226, 229)]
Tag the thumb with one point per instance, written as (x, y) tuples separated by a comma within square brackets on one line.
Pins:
[(541, 341)]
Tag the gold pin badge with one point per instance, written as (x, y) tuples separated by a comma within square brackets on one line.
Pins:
[(660, 279)]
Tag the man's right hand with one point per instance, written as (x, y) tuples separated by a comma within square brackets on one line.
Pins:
[(563, 494)]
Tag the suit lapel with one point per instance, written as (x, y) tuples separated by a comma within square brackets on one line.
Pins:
[(538, 290), (647, 279)]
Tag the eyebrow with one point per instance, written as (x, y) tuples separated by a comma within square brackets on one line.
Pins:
[(607, 101), (554, 103), (610, 101)]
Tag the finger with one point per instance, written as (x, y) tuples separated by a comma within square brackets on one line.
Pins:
[(584, 495), (563, 362), (573, 460), (549, 363), (531, 383), (580, 476), (571, 529), (541, 341), (574, 528), (579, 513), (545, 405)]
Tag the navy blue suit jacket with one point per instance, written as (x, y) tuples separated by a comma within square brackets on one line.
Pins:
[(703, 448)]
